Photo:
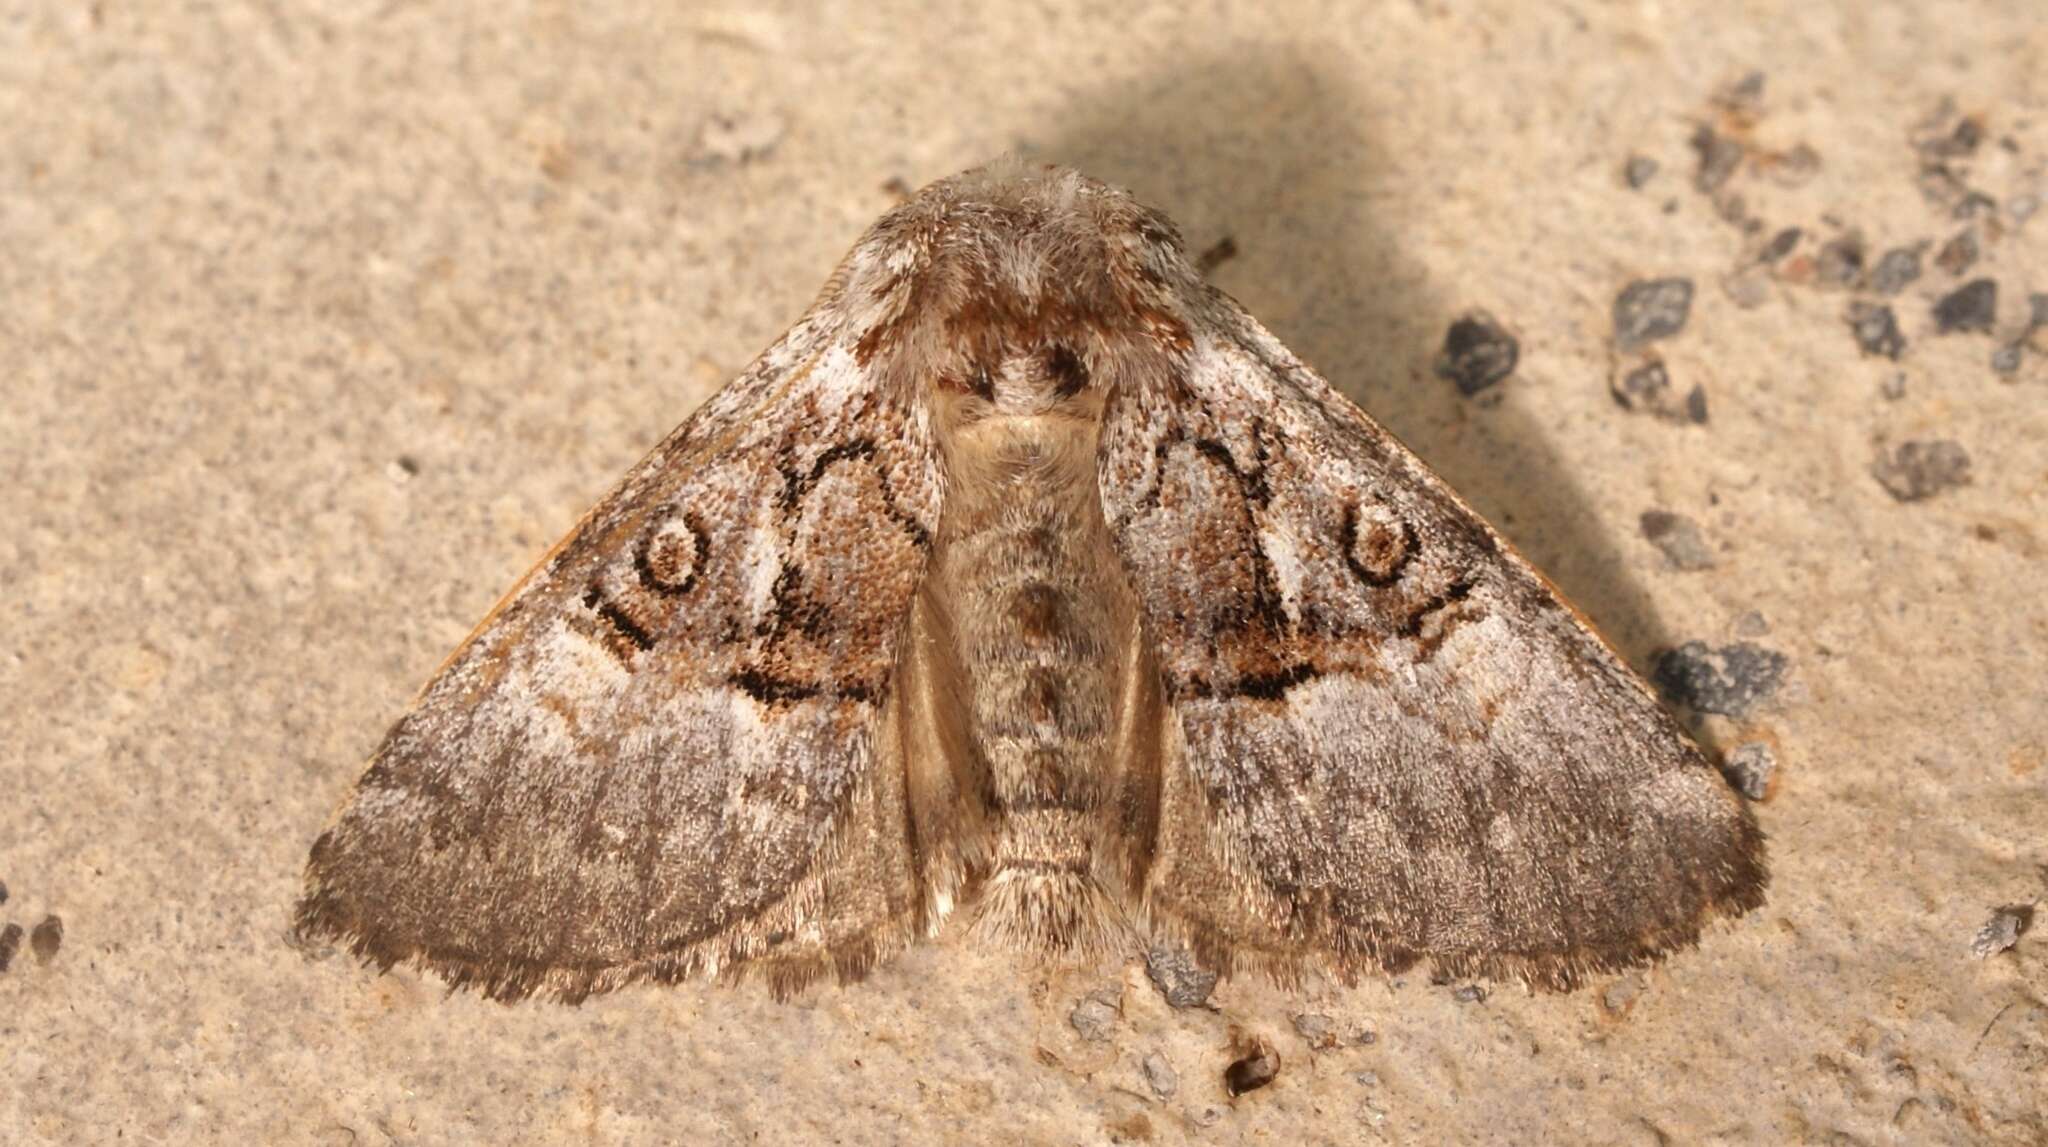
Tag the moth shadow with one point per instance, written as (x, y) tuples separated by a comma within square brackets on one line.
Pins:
[(1273, 152)]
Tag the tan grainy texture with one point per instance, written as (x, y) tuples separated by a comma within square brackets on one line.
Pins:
[(321, 321)]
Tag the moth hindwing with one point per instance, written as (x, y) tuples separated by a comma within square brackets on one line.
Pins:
[(1031, 574)]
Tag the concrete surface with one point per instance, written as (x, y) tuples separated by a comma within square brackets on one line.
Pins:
[(321, 320)]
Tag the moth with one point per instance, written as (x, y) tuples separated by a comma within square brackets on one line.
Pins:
[(1028, 578)]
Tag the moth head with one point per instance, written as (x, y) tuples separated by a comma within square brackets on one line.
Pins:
[(1021, 288)]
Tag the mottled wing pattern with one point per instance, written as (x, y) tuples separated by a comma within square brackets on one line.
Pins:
[(667, 750), (1386, 738)]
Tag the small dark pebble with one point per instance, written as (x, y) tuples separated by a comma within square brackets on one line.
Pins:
[(2002, 931), (1894, 388), (1679, 538), (1220, 252), (1782, 244), (1184, 983), (1648, 389), (1974, 205), (10, 943), (1876, 329), (1478, 352), (1744, 95), (1734, 209), (1650, 309), (1749, 766), (1696, 406), (1730, 680), (1639, 170), (1719, 157), (2037, 311), (1643, 388), (1096, 1015), (1958, 254), (1955, 143), (47, 937), (1470, 994), (2006, 359), (1252, 1072), (1897, 268), (1970, 307), (3, 892), (1840, 262), (1920, 470), (1939, 186), (1945, 135)]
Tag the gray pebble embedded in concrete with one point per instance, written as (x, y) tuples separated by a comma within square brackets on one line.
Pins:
[(1750, 287), (1876, 329), (1470, 994), (1477, 353), (2002, 931), (1730, 680), (1840, 262), (2037, 310), (1781, 244), (1896, 269), (1751, 624), (1648, 389), (1679, 539), (1651, 309), (1184, 983), (1621, 995), (1319, 1030), (3, 892), (1719, 157), (1975, 205), (1918, 470), (46, 938), (1638, 171), (1160, 1076), (10, 943), (1958, 254), (1095, 1016), (1750, 765), (2006, 359), (1970, 307)]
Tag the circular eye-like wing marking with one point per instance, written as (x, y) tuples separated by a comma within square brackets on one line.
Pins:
[(671, 556), (1378, 543)]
